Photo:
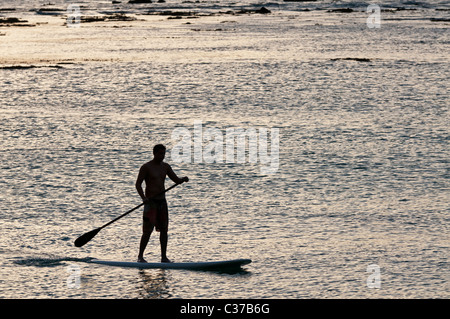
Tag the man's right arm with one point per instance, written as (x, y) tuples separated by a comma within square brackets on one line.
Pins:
[(139, 180)]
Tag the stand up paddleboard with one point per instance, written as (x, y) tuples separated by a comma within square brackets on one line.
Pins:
[(236, 263)]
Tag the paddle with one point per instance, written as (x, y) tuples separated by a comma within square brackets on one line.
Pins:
[(85, 238)]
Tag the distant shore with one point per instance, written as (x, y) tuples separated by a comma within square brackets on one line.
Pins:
[(116, 35)]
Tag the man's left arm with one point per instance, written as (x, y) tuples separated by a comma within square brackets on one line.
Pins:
[(174, 176)]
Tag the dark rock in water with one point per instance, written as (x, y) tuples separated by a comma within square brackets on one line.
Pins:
[(440, 20), (405, 9), (86, 19), (343, 10), (11, 21), (140, 1), (177, 13), (263, 10), (351, 59), (22, 67), (16, 67), (119, 17), (51, 11), (111, 17)]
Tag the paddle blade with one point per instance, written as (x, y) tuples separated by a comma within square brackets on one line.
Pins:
[(83, 239)]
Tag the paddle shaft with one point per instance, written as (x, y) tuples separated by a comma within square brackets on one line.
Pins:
[(85, 238), (133, 209)]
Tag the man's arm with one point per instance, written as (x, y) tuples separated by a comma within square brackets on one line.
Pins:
[(139, 180), (174, 176)]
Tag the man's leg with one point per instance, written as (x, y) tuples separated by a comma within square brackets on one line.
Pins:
[(163, 237), (147, 231)]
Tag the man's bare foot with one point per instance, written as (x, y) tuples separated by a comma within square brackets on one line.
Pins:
[(141, 260), (165, 260)]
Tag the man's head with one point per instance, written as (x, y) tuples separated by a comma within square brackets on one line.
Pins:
[(159, 152)]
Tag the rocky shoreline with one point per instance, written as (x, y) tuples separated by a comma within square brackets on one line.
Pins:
[(120, 16), (132, 9), (29, 37)]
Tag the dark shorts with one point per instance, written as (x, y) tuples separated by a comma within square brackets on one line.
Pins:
[(156, 215)]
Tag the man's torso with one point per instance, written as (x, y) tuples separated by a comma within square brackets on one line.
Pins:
[(155, 175)]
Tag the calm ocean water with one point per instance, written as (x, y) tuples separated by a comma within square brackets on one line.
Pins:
[(362, 186)]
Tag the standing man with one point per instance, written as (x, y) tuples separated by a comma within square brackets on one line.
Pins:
[(156, 214)]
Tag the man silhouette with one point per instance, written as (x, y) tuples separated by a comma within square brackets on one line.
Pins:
[(156, 214)]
